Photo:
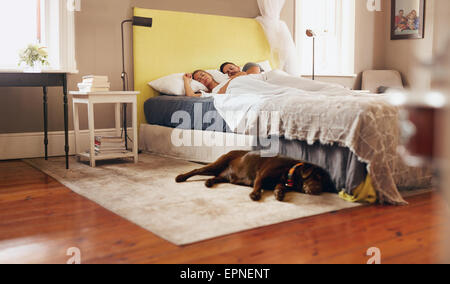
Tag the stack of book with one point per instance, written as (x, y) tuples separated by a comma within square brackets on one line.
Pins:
[(109, 145), (92, 83)]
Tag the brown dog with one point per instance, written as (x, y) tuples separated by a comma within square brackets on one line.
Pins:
[(250, 169)]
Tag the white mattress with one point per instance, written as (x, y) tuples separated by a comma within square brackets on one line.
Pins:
[(202, 146)]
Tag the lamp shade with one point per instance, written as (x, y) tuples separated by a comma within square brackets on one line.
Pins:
[(142, 22), (310, 33)]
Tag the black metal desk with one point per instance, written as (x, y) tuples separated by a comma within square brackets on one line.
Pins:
[(43, 80)]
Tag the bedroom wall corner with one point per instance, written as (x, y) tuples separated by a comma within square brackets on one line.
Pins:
[(401, 55), (369, 39), (288, 15)]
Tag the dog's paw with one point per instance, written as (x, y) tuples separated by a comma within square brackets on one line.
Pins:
[(209, 183), (255, 196), (279, 194), (180, 178)]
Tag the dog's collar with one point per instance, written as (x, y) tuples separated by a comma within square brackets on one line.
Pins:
[(290, 181)]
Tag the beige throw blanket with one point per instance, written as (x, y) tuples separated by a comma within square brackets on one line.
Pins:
[(365, 123)]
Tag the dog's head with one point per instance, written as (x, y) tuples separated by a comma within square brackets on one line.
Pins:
[(305, 177)]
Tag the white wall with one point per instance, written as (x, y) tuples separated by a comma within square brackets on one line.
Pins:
[(401, 54)]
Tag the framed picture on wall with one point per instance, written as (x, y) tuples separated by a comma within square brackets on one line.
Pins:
[(408, 19)]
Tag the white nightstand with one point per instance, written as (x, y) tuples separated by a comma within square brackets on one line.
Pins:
[(90, 99)]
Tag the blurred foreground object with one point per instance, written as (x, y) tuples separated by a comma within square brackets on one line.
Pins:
[(440, 77), (418, 123), (425, 130), (423, 113)]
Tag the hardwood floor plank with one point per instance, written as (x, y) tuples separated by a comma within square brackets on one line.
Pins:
[(40, 219)]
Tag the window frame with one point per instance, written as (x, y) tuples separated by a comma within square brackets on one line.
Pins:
[(61, 48), (345, 30)]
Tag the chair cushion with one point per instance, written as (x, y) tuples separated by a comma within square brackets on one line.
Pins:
[(373, 79)]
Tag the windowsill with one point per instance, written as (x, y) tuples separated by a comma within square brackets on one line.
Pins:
[(18, 70), (333, 75)]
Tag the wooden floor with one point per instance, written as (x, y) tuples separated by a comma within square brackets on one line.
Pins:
[(40, 220)]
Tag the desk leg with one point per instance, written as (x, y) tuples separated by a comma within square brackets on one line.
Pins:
[(117, 107), (125, 125), (91, 133), (135, 133), (66, 121), (76, 128), (46, 123)]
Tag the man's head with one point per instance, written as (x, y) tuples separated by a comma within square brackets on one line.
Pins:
[(252, 68), (230, 69), (401, 13)]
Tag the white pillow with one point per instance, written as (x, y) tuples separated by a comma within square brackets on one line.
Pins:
[(218, 76), (265, 65), (174, 85)]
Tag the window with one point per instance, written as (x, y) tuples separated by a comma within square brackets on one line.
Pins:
[(333, 21), (49, 23)]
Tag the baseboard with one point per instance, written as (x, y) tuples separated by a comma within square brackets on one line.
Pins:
[(31, 145)]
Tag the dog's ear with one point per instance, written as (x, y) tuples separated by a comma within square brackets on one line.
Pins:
[(307, 170)]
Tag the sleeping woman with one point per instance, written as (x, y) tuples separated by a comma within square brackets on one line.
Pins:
[(208, 81), (275, 78)]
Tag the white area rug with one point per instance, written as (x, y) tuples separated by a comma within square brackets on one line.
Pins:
[(147, 195)]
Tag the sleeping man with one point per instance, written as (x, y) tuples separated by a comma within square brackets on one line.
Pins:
[(275, 77), (232, 69)]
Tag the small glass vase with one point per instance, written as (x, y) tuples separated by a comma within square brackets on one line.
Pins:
[(36, 68)]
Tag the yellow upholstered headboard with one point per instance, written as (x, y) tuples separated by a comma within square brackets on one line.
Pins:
[(183, 42)]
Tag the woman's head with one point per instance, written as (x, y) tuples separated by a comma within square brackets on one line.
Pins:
[(203, 77)]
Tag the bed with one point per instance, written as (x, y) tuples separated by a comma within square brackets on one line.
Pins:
[(344, 167), (176, 44)]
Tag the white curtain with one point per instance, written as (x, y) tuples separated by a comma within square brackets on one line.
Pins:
[(60, 33), (278, 35)]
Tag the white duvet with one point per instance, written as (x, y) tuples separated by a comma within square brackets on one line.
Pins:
[(298, 109)]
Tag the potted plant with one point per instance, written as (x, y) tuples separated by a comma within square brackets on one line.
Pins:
[(34, 56)]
